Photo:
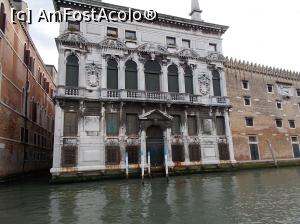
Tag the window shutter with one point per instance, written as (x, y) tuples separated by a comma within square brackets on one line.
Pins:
[(296, 150), (112, 74), (131, 76), (69, 156), (220, 125), (223, 151), (72, 71), (112, 125), (178, 153), (173, 79), (195, 153), (133, 154), (254, 151), (216, 83), (152, 76), (70, 124), (113, 155), (132, 126)]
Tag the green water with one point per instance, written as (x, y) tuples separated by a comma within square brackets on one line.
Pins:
[(260, 196)]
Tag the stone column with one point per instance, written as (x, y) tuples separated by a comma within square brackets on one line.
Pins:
[(223, 82), (141, 76), (122, 136), (181, 80), (121, 75), (104, 73), (62, 61), (58, 134), (164, 79), (185, 137), (102, 135), (82, 75), (229, 137), (168, 147)]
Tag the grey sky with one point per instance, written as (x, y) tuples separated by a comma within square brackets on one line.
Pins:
[(265, 32)]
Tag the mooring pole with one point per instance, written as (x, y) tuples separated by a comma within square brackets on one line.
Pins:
[(149, 164), (273, 153), (143, 145), (127, 164)]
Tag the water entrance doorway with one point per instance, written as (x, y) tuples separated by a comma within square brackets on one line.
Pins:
[(155, 145)]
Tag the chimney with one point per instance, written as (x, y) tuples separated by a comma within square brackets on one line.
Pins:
[(196, 12)]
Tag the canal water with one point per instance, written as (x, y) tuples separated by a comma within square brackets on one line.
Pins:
[(256, 196)]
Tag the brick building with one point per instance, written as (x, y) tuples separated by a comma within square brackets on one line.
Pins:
[(26, 105), (265, 114)]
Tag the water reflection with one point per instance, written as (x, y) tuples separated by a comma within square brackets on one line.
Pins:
[(266, 196)]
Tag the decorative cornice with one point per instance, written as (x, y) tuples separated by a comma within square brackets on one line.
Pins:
[(188, 53), (112, 44), (215, 57), (72, 38), (262, 69)]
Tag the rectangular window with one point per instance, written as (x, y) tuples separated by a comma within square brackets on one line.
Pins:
[(112, 124), (254, 150), (192, 125), (132, 124), (270, 88), (279, 105), (24, 135), (298, 92), (220, 125), (112, 32), (73, 26), (245, 84), (186, 43), (113, 155), (133, 155), (34, 112), (177, 153), (176, 125), (69, 156), (247, 100), (223, 151), (70, 124), (130, 35), (296, 147), (292, 124), (212, 47), (279, 123), (249, 121), (195, 153), (171, 41)]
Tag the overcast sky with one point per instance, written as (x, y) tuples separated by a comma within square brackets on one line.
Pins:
[(266, 32)]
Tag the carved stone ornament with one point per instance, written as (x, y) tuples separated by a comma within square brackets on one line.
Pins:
[(188, 53), (207, 126), (72, 38), (112, 43), (204, 85), (216, 57), (284, 89), (112, 141), (152, 48), (93, 72), (133, 141)]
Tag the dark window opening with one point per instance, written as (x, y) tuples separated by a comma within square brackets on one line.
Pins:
[(247, 101), (254, 151), (192, 125), (298, 92), (188, 78), (72, 71), (178, 153), (171, 41), (245, 84), (112, 32), (132, 124), (113, 155), (220, 125), (279, 105), (2, 18), (112, 74), (130, 35), (186, 43), (152, 76), (131, 79), (176, 123), (73, 26), (173, 83), (112, 124), (270, 88), (70, 124), (223, 151), (34, 111), (279, 123), (249, 121), (292, 124), (217, 83)]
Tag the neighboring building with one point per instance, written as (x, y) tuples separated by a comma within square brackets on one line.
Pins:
[(26, 105), (265, 117), (129, 91)]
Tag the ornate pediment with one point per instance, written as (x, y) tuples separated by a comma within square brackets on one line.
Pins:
[(155, 115), (93, 72), (152, 48), (72, 38), (204, 85), (188, 53), (217, 57), (112, 43)]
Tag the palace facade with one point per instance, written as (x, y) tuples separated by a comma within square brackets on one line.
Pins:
[(26, 105), (141, 96)]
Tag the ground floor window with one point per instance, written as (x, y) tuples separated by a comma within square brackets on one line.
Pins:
[(195, 153), (133, 155), (254, 150), (69, 156), (70, 124), (296, 147), (178, 153), (113, 155)]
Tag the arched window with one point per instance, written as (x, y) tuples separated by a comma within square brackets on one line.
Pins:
[(112, 74), (2, 18), (216, 83), (173, 83), (131, 75), (72, 71), (152, 75), (188, 79)]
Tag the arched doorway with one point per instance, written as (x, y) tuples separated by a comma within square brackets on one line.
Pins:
[(155, 145)]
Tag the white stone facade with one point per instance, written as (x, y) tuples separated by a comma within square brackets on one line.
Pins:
[(94, 48)]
